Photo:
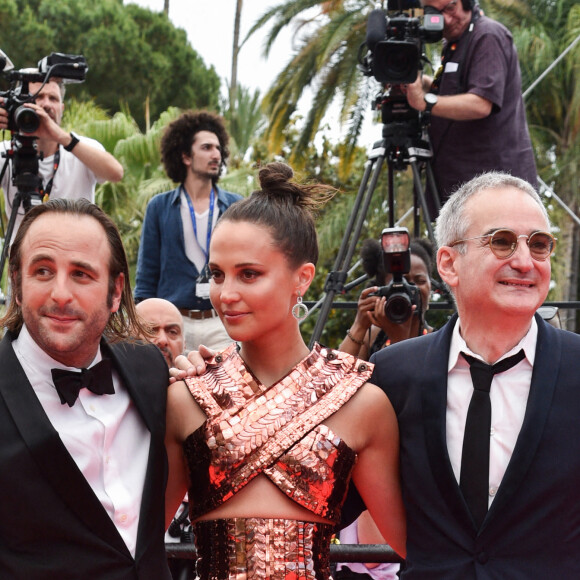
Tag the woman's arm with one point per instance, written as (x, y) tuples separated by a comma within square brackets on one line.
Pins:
[(178, 399), (354, 341), (376, 474)]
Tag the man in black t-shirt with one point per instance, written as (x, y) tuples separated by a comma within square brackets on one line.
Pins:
[(478, 118)]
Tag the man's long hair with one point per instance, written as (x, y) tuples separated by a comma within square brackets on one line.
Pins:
[(123, 324)]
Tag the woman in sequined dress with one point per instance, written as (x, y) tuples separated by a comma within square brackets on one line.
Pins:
[(266, 441)]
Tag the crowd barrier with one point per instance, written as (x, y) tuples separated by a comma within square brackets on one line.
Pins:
[(338, 552)]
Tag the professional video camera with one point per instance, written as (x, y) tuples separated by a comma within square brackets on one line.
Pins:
[(401, 295), (395, 41), (69, 68)]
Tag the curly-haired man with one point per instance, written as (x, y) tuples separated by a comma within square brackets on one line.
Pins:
[(172, 262)]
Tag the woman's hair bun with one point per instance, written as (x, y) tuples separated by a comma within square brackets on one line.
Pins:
[(274, 175)]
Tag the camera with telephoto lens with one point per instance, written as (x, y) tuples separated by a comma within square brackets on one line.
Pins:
[(67, 67), (395, 41), (401, 295)]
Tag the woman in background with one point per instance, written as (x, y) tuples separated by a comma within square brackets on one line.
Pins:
[(372, 329)]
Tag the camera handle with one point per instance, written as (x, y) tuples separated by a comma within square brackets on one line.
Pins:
[(395, 150)]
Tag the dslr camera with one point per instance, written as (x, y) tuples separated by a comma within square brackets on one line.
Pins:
[(70, 68), (395, 41), (401, 295)]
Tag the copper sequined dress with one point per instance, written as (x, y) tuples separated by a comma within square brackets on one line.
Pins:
[(276, 432)]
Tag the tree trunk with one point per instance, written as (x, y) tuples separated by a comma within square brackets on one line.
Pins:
[(235, 51), (166, 8)]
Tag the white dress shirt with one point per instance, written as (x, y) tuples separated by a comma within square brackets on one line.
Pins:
[(509, 396), (104, 434)]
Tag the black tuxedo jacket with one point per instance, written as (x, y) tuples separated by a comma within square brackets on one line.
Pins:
[(52, 526), (532, 529)]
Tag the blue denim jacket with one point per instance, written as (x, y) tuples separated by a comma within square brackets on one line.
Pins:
[(163, 268)]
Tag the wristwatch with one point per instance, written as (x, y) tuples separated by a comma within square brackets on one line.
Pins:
[(430, 101), (74, 140)]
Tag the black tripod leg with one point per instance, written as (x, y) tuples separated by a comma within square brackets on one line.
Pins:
[(335, 279), (391, 185), (420, 194), (433, 187)]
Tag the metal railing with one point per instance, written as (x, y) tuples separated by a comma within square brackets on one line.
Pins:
[(375, 553)]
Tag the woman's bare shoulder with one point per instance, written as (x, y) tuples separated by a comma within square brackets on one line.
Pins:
[(184, 415)]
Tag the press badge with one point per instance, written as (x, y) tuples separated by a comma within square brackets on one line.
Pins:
[(202, 290), (202, 283), (451, 67)]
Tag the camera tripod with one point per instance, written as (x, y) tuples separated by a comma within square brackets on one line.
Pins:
[(25, 157), (403, 143)]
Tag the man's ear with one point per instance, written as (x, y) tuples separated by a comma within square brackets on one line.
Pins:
[(447, 265), (117, 292), (16, 288)]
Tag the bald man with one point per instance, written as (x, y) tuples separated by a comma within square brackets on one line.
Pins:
[(166, 325)]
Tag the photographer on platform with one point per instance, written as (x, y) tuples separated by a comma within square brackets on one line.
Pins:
[(477, 112), (70, 165), (373, 329)]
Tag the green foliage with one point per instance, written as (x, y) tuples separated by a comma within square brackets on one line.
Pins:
[(245, 121), (135, 56)]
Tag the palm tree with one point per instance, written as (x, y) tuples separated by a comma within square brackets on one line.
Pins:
[(246, 121), (235, 51), (328, 36)]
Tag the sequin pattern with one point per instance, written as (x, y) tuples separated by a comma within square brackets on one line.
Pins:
[(276, 431), (262, 549)]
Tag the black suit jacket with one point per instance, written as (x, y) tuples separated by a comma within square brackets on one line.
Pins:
[(532, 529), (52, 526)]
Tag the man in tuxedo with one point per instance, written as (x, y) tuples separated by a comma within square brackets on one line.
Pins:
[(494, 495), (82, 460)]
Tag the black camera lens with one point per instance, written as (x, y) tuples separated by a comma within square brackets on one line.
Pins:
[(398, 308), (397, 61), (26, 120)]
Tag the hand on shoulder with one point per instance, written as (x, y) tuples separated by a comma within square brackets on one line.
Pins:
[(191, 365)]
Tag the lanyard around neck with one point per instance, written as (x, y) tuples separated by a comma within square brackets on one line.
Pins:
[(209, 220), (45, 191)]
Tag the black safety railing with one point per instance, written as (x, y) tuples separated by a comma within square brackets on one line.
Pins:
[(375, 553), (572, 305)]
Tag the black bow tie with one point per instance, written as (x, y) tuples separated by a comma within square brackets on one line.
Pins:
[(97, 379)]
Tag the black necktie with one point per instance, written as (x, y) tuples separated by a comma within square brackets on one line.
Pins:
[(474, 477), (97, 379)]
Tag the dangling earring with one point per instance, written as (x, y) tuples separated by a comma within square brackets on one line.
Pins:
[(299, 310)]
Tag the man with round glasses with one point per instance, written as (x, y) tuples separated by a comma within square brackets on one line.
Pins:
[(488, 406), (477, 114)]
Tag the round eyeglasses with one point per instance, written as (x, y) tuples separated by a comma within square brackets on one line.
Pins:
[(503, 243)]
